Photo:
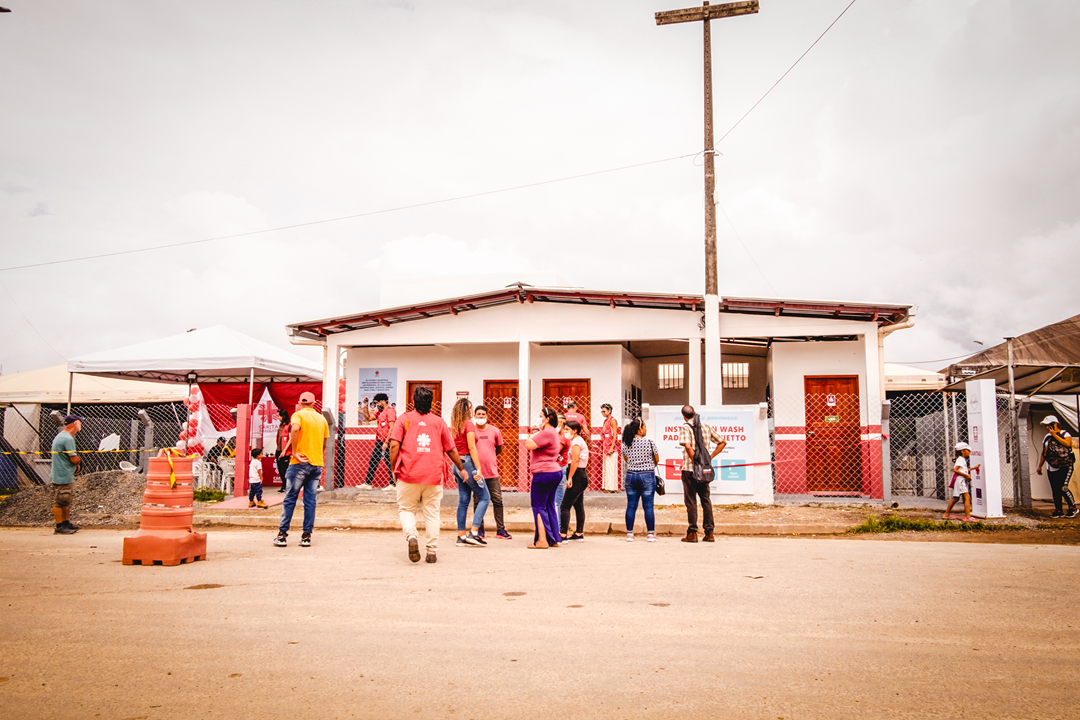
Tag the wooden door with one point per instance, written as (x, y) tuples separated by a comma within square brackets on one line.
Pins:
[(557, 394), (501, 400), (436, 389), (833, 435)]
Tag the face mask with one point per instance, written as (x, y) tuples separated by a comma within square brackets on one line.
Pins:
[(480, 421), (567, 435)]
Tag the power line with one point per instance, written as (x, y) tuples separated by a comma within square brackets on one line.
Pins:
[(786, 73), (16, 304), (343, 217)]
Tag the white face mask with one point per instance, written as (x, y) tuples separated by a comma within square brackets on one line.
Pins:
[(568, 435), (480, 421)]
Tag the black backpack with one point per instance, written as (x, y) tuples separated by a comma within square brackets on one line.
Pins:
[(703, 469), (1056, 454)]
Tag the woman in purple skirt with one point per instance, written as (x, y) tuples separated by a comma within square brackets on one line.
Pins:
[(546, 477)]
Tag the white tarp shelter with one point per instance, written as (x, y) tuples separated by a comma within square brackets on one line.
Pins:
[(211, 354), (50, 386)]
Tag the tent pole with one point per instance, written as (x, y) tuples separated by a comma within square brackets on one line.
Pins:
[(71, 385), (251, 387)]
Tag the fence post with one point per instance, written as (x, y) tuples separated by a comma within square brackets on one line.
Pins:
[(1023, 447), (886, 459)]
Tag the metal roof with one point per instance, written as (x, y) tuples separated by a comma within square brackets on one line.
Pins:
[(525, 294)]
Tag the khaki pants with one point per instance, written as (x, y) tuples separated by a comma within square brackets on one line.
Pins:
[(412, 497)]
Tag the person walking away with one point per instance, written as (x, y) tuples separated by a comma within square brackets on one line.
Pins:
[(66, 464), (1057, 455), (489, 443), (563, 460), (283, 454), (418, 445), (641, 456), (961, 480), (471, 480), (609, 445), (255, 479), (546, 476), (384, 425), (694, 435), (308, 432), (579, 483)]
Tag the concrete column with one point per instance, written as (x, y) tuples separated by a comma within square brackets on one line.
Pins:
[(525, 412), (331, 374), (694, 374), (714, 393)]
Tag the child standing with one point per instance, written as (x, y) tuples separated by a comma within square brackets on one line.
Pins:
[(255, 480), (960, 479)]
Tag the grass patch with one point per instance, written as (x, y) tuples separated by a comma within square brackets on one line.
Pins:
[(209, 496), (893, 523)]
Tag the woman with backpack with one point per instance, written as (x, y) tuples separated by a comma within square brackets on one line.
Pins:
[(1057, 455)]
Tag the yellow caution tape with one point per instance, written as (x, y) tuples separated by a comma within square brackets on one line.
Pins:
[(168, 453)]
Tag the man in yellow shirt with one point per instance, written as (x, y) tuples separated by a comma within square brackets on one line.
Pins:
[(309, 433)]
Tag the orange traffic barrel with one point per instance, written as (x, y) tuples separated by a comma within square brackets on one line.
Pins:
[(164, 536)]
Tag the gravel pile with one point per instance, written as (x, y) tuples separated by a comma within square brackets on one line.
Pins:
[(99, 497)]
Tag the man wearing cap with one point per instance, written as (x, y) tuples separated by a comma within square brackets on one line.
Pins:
[(66, 463), (384, 425), (1057, 454), (309, 432)]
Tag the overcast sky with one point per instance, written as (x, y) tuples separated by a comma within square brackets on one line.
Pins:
[(924, 153)]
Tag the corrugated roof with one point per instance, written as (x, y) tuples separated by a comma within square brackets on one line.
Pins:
[(523, 294)]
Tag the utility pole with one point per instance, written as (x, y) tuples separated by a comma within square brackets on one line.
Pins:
[(703, 14)]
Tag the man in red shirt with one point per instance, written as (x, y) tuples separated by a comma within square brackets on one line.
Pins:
[(384, 425), (418, 444), (489, 443), (573, 414)]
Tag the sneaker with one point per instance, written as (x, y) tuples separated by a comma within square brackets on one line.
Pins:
[(305, 540), (261, 504), (462, 542), (414, 550), (72, 525), (63, 529), (477, 539), (281, 540), (431, 558), (1073, 512), (652, 537), (503, 535), (282, 490), (629, 537), (251, 503), (1057, 514), (577, 537)]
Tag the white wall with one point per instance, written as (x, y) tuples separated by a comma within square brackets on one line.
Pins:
[(792, 362)]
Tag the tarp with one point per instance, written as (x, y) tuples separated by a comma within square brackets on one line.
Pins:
[(50, 385), (1045, 361), (212, 354)]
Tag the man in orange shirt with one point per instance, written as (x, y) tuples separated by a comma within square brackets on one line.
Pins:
[(309, 432)]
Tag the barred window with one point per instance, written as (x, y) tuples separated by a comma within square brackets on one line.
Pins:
[(670, 376), (736, 375)]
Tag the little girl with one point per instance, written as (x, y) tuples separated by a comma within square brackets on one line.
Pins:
[(255, 480), (960, 479)]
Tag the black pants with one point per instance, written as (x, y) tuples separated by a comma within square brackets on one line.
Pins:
[(494, 487), (380, 452), (282, 466), (1059, 485), (692, 492), (574, 498)]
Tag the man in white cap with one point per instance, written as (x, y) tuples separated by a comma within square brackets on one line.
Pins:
[(1057, 455), (308, 441), (66, 463)]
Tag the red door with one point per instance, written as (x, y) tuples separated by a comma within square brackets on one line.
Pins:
[(501, 400), (436, 389), (559, 393), (833, 434)]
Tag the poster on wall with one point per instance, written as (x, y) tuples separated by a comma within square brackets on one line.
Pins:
[(731, 474), (985, 452), (378, 380)]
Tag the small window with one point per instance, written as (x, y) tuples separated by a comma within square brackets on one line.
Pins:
[(736, 375), (670, 376)]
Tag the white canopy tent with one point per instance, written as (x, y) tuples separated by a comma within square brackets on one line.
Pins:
[(51, 385)]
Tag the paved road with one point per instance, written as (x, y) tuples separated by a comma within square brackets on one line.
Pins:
[(745, 628)]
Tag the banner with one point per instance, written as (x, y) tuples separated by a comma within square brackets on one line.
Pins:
[(983, 439), (378, 380), (731, 474)]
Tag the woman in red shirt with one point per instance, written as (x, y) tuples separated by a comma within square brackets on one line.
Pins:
[(546, 477), (284, 448)]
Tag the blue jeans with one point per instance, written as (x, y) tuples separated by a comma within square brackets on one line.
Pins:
[(467, 487), (640, 485), (560, 492), (300, 476)]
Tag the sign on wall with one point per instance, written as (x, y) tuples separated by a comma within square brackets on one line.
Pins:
[(732, 476), (378, 380)]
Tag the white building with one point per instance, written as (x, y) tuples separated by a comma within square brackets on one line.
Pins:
[(818, 364)]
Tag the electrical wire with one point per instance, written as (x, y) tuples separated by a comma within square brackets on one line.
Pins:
[(343, 217), (746, 249), (16, 304)]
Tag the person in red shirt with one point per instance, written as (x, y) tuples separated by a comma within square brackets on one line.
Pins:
[(470, 482), (489, 443), (609, 446), (384, 424), (284, 448), (573, 414), (418, 444), (546, 477)]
